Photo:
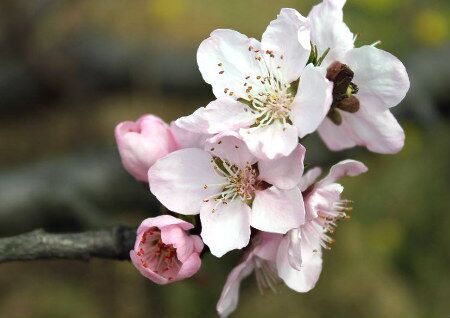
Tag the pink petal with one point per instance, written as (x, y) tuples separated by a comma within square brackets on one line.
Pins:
[(230, 294), (277, 211), (313, 100), (146, 272), (220, 115), (286, 172), (227, 227), (272, 141), (309, 178), (267, 248), (189, 267), (344, 168), (164, 220), (287, 36), (178, 180)]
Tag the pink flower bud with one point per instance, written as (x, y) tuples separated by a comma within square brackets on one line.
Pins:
[(142, 143), (164, 251)]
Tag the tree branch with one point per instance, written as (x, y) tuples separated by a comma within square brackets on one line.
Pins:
[(114, 243)]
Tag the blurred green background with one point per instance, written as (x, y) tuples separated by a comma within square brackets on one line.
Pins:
[(71, 70)]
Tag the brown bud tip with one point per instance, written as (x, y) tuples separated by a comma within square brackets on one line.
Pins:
[(334, 70), (349, 104), (335, 116)]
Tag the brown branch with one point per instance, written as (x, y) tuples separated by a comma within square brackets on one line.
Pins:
[(114, 243)]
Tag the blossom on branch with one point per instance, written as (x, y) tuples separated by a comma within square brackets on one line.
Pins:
[(164, 251)]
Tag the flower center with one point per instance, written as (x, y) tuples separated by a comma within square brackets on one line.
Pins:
[(326, 222), (240, 183), (343, 91), (267, 94), (158, 257)]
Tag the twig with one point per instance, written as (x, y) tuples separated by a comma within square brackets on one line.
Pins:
[(114, 243)]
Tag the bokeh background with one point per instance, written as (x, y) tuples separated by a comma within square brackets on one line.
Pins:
[(71, 69)]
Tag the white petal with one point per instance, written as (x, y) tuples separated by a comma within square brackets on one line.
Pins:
[(227, 227), (225, 61), (329, 31), (313, 100), (379, 132), (344, 168), (335, 137), (381, 77), (305, 279), (272, 141), (277, 211), (178, 180), (220, 115), (288, 36), (309, 178), (286, 172), (231, 147), (230, 294)]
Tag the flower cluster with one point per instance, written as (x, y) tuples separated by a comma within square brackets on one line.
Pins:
[(236, 166)]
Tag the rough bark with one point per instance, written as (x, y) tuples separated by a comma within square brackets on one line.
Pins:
[(113, 243)]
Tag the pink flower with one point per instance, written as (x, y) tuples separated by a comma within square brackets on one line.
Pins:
[(164, 252), (264, 90), (301, 248), (367, 83), (261, 259), (231, 190), (142, 143)]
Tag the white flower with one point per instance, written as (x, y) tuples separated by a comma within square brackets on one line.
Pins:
[(231, 190), (367, 83), (265, 91)]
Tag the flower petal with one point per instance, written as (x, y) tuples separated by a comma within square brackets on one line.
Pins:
[(344, 168), (229, 146), (225, 228), (187, 139), (158, 279), (190, 266), (277, 211), (288, 38), (305, 279), (379, 132), (225, 60), (163, 221), (230, 294), (286, 172), (309, 178), (381, 78), (219, 115), (328, 30), (335, 137), (272, 141), (294, 249), (313, 100), (178, 180)]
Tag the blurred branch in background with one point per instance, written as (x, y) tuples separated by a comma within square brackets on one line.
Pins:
[(70, 194), (114, 243)]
